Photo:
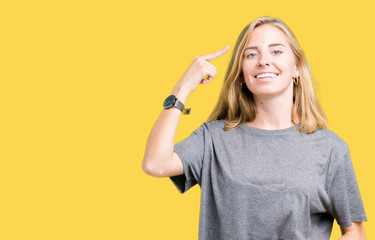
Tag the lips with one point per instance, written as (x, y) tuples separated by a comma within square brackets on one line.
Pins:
[(266, 75)]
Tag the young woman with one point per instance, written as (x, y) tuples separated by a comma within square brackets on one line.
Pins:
[(266, 162)]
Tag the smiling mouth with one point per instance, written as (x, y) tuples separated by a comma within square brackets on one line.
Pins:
[(266, 75)]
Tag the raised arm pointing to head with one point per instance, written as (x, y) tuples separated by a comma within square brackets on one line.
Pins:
[(159, 159)]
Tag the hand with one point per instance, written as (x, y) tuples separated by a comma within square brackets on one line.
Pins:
[(198, 69)]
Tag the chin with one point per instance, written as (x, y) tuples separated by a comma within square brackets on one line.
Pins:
[(268, 92)]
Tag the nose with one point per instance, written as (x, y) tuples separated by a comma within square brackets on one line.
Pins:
[(263, 60)]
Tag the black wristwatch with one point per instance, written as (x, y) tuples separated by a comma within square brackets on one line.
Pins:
[(172, 101)]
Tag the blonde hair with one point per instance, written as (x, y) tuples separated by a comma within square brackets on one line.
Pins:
[(236, 105)]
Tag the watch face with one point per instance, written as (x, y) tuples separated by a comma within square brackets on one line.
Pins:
[(169, 101)]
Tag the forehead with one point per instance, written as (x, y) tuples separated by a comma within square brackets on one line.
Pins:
[(266, 34)]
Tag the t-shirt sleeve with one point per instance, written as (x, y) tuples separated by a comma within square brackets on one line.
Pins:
[(191, 151), (345, 198)]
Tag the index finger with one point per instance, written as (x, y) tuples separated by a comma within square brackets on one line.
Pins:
[(212, 56)]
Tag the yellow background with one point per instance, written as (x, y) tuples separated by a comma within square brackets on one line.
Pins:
[(82, 83)]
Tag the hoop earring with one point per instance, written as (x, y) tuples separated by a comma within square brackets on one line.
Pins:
[(242, 84), (296, 81)]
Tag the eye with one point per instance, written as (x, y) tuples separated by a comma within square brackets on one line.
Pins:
[(251, 55), (278, 52)]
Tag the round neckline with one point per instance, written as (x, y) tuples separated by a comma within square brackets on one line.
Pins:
[(271, 132)]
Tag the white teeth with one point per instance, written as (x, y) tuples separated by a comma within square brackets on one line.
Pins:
[(266, 75)]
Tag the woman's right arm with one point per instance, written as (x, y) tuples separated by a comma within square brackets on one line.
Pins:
[(160, 160)]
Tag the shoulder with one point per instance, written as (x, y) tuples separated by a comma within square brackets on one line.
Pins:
[(215, 125), (338, 144), (217, 131), (328, 138), (333, 146), (210, 128)]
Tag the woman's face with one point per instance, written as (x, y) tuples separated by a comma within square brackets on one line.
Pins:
[(269, 64)]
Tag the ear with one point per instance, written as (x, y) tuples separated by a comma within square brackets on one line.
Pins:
[(296, 72)]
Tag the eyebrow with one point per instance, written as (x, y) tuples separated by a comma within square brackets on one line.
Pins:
[(271, 45)]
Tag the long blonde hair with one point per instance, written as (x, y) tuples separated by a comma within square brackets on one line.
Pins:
[(236, 104)]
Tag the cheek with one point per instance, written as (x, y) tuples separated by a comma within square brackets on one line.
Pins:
[(288, 65), (289, 70), (244, 68), (285, 67), (247, 69)]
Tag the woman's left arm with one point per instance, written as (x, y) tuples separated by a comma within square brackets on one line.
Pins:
[(354, 232)]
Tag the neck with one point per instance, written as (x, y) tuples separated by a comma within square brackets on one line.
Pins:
[(274, 112)]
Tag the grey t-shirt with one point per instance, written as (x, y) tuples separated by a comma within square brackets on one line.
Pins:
[(269, 184)]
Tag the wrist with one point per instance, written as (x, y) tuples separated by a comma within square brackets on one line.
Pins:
[(181, 93)]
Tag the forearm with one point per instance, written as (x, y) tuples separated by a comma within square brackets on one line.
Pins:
[(160, 143)]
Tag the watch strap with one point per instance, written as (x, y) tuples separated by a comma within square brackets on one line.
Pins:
[(186, 111), (178, 104)]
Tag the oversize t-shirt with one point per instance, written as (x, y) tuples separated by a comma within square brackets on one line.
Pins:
[(269, 184)]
